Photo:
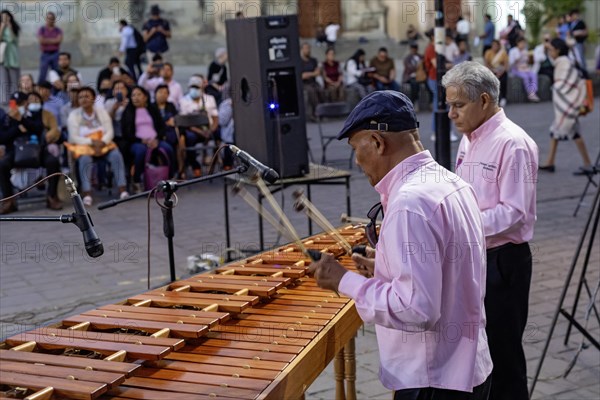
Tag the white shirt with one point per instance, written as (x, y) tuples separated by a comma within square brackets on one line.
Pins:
[(451, 52), (207, 102), (331, 32), (127, 39), (463, 27)]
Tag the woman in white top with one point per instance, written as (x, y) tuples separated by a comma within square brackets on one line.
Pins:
[(518, 59), (356, 74), (91, 126)]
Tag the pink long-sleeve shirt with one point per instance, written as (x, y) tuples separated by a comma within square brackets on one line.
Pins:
[(500, 161), (426, 298)]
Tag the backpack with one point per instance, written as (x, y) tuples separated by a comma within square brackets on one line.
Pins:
[(139, 41)]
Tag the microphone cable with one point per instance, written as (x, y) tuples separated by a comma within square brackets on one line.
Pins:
[(27, 189)]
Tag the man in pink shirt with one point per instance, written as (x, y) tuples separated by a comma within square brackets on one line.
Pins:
[(50, 37), (500, 161), (426, 294)]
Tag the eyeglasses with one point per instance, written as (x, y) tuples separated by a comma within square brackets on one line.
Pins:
[(371, 228)]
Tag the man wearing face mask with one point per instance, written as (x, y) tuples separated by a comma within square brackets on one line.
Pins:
[(198, 102), (25, 121)]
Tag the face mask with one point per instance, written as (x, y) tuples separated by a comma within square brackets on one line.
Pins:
[(195, 93), (22, 110), (34, 107)]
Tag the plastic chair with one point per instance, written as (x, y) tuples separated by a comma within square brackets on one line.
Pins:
[(324, 111)]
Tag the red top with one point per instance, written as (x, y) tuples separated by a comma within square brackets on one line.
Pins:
[(428, 57), (332, 71)]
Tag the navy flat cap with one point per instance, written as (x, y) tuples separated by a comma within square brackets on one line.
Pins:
[(385, 110)]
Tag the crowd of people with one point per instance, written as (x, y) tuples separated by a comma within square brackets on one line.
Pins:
[(142, 104), (124, 122)]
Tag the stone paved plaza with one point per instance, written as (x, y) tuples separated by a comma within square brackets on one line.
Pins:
[(44, 275)]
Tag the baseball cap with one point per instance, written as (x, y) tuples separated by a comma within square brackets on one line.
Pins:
[(385, 110), (195, 81), (19, 97)]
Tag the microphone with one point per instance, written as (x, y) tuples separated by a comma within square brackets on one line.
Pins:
[(93, 244), (268, 174)]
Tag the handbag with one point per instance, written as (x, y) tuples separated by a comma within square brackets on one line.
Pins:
[(157, 166), (2, 51), (588, 103), (27, 153)]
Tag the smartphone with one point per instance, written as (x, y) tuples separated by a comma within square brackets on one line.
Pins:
[(12, 104), (119, 97)]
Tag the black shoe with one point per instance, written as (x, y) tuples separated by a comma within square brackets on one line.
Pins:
[(589, 170), (548, 168)]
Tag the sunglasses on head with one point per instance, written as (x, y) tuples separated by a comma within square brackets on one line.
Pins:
[(371, 228)]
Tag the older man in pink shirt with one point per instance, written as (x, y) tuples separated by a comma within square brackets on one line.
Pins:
[(500, 161), (426, 293)]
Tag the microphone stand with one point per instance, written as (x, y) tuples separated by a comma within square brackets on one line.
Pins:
[(168, 188)]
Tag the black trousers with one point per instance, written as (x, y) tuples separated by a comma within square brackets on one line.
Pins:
[(48, 161), (480, 392), (132, 60), (506, 307)]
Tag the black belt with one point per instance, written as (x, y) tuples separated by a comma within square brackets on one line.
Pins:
[(50, 52), (506, 246)]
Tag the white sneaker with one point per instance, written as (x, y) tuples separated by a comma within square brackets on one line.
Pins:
[(87, 200), (124, 195), (502, 103), (533, 98)]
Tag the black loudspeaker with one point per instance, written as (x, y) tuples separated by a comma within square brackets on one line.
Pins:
[(268, 101)]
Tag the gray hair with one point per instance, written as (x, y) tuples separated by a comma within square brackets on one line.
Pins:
[(475, 79)]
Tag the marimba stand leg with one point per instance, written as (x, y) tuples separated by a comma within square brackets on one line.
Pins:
[(339, 370), (350, 369)]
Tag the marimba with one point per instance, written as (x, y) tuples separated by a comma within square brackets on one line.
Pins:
[(258, 328)]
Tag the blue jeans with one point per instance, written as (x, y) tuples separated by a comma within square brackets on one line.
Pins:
[(47, 61), (393, 85), (117, 166), (139, 150)]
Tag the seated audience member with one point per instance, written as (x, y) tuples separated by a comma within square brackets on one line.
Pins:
[(451, 50), (115, 106), (26, 83), (51, 131), (333, 77), (312, 89), (143, 129), (194, 102), (227, 126), (217, 74), (22, 123), (52, 103), (542, 64), (150, 81), (112, 72), (91, 136), (65, 110), (384, 75), (104, 92), (463, 52), (411, 64), (69, 81), (357, 75), (518, 59), (412, 34), (55, 77), (496, 59), (168, 111)]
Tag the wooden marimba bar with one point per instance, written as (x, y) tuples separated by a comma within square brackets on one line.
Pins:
[(259, 328)]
